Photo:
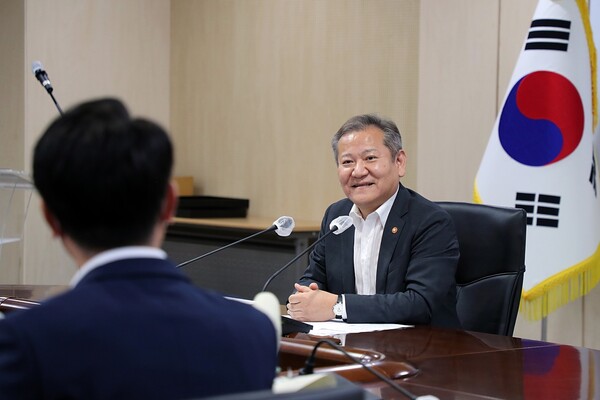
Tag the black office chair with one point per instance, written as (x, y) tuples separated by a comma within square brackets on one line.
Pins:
[(490, 271)]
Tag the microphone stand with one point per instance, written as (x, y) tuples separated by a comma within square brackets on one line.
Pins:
[(280, 270), (60, 111)]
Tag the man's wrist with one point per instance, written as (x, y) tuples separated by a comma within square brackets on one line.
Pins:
[(338, 308)]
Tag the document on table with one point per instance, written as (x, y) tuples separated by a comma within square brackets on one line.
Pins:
[(336, 328)]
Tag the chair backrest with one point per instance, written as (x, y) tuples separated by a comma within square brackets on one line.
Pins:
[(490, 270)]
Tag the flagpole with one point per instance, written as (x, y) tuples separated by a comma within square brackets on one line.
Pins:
[(544, 329)]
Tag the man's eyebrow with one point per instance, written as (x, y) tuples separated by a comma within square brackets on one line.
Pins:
[(362, 153)]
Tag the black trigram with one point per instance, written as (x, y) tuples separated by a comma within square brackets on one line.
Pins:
[(548, 34), (593, 175), (542, 209)]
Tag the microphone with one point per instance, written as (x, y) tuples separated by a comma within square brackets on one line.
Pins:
[(38, 71), (289, 325), (283, 226), (310, 362), (337, 226)]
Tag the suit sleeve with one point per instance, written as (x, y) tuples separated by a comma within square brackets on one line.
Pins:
[(14, 368), (426, 287)]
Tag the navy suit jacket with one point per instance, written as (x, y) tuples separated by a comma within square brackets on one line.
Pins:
[(415, 273), (135, 329)]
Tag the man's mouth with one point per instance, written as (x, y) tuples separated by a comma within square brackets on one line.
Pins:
[(363, 184)]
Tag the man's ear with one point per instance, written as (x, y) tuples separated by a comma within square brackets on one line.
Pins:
[(170, 203), (51, 220), (400, 162)]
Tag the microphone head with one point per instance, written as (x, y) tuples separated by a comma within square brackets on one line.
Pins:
[(285, 225), (36, 67), (340, 224)]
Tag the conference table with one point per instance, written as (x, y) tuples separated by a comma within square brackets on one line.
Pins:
[(455, 364), (446, 363)]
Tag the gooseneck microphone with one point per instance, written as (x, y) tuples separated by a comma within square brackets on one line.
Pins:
[(38, 71), (283, 226), (310, 362), (337, 226), (289, 325)]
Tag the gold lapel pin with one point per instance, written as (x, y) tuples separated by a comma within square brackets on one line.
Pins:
[(394, 230)]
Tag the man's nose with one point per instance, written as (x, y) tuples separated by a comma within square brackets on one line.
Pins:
[(359, 169)]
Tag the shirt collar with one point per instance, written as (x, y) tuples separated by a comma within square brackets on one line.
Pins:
[(119, 253), (383, 211)]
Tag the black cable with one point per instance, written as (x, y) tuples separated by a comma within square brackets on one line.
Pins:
[(310, 363), (55, 102)]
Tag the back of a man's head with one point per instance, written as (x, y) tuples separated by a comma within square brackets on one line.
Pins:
[(103, 175)]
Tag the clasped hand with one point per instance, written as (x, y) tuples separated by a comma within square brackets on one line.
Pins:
[(309, 303)]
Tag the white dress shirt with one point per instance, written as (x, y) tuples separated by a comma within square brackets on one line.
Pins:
[(367, 242)]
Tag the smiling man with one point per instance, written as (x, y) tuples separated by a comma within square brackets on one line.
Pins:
[(397, 264)]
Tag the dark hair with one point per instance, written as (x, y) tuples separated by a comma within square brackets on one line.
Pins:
[(103, 175), (391, 135)]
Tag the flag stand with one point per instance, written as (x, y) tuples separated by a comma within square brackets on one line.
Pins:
[(544, 329)]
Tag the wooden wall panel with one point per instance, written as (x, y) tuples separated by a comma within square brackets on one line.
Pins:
[(457, 94), (90, 49), (12, 37), (260, 86)]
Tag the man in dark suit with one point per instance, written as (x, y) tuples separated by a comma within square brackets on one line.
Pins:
[(397, 264), (131, 326)]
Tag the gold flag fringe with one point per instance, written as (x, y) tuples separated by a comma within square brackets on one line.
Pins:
[(562, 288)]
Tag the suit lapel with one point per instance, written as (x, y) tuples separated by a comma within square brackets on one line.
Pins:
[(391, 234), (347, 255)]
